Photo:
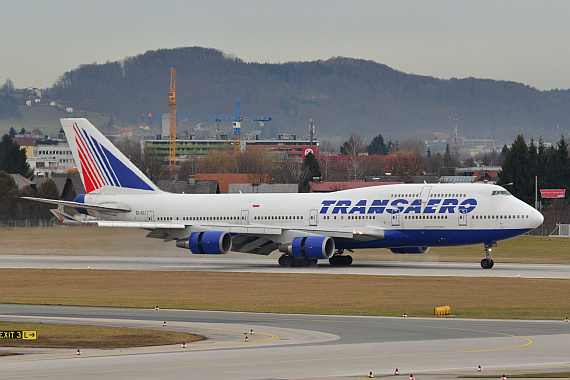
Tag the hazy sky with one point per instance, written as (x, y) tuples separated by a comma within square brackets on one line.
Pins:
[(518, 40)]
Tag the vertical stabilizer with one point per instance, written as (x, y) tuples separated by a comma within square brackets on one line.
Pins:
[(99, 162)]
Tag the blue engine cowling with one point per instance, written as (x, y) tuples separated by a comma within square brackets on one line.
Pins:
[(411, 250), (312, 247), (81, 199), (207, 242)]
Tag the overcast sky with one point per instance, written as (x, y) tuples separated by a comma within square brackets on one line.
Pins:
[(518, 40)]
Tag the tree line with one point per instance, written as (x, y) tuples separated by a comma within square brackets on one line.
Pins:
[(524, 163)]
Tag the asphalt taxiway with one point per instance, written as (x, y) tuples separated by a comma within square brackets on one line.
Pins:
[(295, 346), (269, 265)]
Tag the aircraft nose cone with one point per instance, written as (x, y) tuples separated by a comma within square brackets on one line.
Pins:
[(536, 218)]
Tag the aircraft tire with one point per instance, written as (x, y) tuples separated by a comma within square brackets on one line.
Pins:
[(286, 261), (338, 260), (487, 264)]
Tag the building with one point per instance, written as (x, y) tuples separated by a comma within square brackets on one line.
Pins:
[(27, 141), (51, 156), (192, 147), (327, 187), (224, 179)]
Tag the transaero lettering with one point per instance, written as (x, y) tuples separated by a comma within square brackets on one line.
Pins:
[(397, 206)]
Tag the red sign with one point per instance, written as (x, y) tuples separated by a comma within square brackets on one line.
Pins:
[(310, 149), (553, 193)]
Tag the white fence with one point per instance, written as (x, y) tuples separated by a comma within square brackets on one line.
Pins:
[(563, 230)]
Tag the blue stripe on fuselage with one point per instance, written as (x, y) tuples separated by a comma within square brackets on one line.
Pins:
[(433, 238)]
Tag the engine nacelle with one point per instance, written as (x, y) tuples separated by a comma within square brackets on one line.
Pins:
[(207, 242), (81, 199), (310, 247), (410, 250)]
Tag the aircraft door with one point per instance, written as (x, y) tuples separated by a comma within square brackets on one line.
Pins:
[(313, 217), (425, 194), (150, 215), (396, 219), (244, 217), (462, 218)]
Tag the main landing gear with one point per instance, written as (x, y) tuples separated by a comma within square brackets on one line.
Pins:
[(487, 262), (290, 261), (338, 259)]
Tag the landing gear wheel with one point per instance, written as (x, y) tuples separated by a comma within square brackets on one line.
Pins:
[(340, 260), (286, 261), (292, 262), (487, 262)]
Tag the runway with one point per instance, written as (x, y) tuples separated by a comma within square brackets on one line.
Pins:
[(292, 346), (295, 346), (269, 265)]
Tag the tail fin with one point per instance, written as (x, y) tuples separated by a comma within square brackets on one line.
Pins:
[(99, 162)]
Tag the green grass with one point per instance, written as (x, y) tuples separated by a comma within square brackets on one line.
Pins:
[(85, 336), (486, 297)]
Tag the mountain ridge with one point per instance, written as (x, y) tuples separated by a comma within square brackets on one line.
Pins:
[(342, 94)]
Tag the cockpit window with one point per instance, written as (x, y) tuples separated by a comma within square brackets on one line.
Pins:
[(500, 192)]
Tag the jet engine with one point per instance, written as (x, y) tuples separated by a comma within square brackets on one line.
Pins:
[(310, 247), (411, 250), (207, 242)]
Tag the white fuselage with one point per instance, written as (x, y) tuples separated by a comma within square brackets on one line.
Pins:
[(410, 214)]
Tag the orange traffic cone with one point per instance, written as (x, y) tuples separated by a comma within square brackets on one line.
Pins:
[(164, 323), (504, 377), (78, 352), (396, 372), (371, 375), (156, 308), (246, 339), (251, 331), (566, 319), (479, 368), (183, 345), (412, 377)]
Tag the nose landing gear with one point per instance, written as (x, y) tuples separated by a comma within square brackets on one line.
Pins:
[(487, 262)]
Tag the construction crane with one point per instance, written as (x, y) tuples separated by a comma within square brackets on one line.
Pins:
[(172, 111)]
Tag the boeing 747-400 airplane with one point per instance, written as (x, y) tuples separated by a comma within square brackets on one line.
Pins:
[(406, 218)]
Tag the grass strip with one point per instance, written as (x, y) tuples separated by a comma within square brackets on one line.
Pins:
[(485, 297), (84, 336)]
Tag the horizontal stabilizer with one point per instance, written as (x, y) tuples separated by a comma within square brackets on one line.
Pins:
[(64, 217)]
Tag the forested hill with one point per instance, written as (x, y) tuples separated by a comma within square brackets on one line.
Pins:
[(342, 94)]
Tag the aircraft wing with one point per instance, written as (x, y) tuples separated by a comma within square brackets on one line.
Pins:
[(253, 238)]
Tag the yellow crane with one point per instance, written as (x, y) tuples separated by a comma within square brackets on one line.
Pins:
[(172, 111)]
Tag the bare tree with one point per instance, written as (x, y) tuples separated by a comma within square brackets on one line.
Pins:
[(355, 146), (414, 145), (326, 148)]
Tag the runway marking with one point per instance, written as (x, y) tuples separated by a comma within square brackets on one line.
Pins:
[(271, 337)]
